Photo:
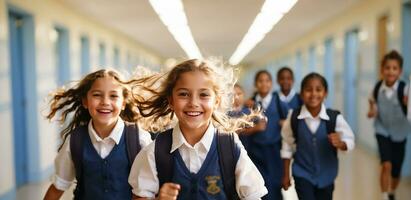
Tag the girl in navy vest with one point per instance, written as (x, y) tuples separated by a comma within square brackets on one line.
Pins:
[(287, 94), (238, 110), (265, 138), (95, 109), (388, 107), (196, 94), (313, 149)]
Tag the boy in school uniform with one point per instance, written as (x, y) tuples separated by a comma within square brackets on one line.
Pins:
[(388, 107)]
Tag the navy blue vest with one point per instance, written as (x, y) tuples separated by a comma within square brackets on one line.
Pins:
[(315, 159), (105, 178), (271, 134), (294, 103), (206, 184)]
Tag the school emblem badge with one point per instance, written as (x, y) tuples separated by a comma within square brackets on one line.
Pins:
[(212, 187)]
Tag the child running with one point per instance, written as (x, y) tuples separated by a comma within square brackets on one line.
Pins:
[(199, 157), (388, 105), (312, 134), (101, 140)]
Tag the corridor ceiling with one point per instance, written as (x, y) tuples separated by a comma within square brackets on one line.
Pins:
[(217, 26)]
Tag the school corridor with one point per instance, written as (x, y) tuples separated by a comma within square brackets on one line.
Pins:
[(48, 44)]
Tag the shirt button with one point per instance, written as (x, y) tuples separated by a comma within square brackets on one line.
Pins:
[(106, 190)]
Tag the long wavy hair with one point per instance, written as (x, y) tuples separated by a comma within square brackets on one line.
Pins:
[(153, 93), (67, 103)]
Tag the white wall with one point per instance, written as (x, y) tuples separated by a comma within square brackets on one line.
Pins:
[(47, 14)]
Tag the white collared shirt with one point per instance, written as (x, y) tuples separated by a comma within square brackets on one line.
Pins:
[(287, 98), (288, 140), (143, 175), (264, 101), (64, 166)]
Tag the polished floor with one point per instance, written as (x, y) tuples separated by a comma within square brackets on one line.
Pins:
[(357, 180)]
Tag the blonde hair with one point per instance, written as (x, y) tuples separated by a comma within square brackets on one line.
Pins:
[(152, 93)]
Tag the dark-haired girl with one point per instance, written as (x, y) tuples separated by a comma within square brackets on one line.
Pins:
[(265, 136), (312, 134)]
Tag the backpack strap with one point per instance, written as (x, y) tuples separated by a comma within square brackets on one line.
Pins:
[(294, 122), (400, 94), (132, 141), (330, 124), (228, 153), (164, 159), (376, 90), (278, 104), (76, 149)]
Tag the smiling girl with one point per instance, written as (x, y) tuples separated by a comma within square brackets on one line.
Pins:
[(189, 161)]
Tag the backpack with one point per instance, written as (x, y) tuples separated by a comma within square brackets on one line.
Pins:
[(330, 124), (400, 94), (277, 100), (227, 160), (76, 146)]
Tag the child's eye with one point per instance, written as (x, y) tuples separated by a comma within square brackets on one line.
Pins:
[(114, 96), (96, 95), (204, 95), (183, 94)]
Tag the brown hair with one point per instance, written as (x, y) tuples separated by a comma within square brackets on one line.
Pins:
[(70, 101), (392, 55)]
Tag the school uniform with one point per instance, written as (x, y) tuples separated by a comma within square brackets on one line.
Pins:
[(292, 100), (315, 165), (265, 146), (105, 164), (391, 127), (195, 163), (236, 113)]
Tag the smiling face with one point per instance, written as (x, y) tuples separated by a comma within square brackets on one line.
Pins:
[(104, 101), (285, 80), (263, 84), (313, 94), (391, 71), (193, 100)]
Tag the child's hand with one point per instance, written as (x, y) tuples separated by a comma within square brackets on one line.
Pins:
[(372, 112), (336, 141), (281, 122), (249, 103), (286, 182), (261, 125), (169, 191)]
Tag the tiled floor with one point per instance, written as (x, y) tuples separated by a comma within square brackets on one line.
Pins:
[(357, 180)]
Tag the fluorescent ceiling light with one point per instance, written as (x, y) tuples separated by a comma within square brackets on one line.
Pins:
[(270, 14), (171, 13)]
